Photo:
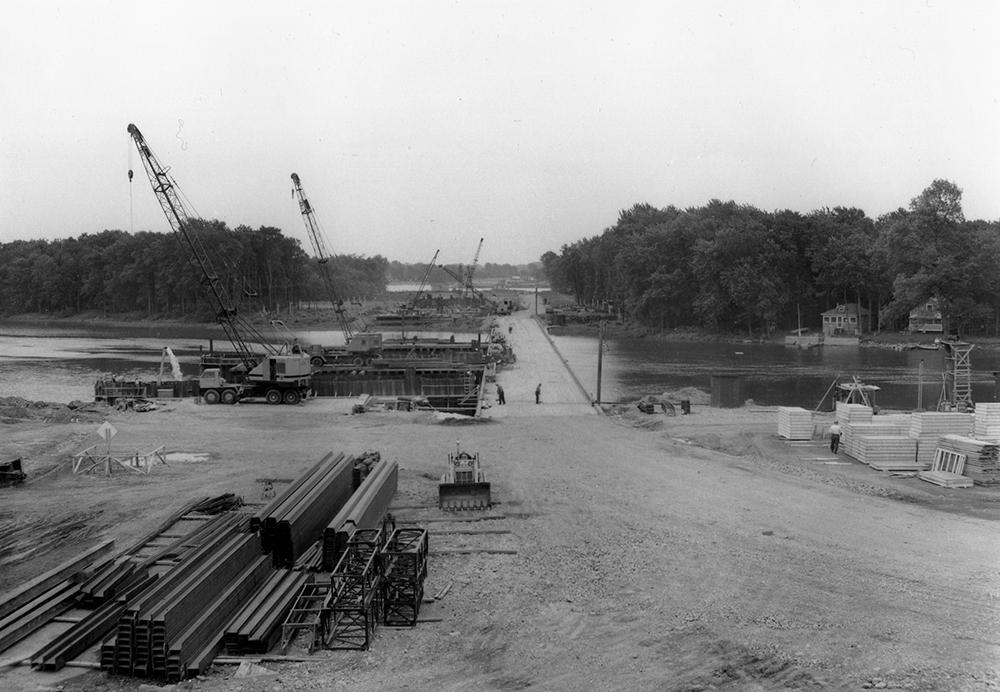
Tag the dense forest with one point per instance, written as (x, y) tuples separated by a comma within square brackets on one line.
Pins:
[(734, 267), (150, 275)]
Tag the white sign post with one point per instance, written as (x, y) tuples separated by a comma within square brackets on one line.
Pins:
[(107, 431)]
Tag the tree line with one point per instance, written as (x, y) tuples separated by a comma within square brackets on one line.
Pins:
[(734, 267), (152, 275)]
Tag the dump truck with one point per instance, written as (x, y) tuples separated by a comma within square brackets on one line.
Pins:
[(463, 486)]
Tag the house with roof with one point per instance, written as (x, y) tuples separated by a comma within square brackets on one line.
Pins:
[(927, 317), (848, 319)]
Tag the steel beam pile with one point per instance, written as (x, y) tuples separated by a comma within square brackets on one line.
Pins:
[(172, 624), (95, 625), (294, 520), (257, 627), (404, 570), (364, 510), (36, 602)]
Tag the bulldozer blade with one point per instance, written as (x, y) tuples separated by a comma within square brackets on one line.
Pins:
[(459, 496)]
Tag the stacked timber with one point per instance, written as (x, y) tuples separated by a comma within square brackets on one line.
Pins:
[(926, 427), (294, 520), (853, 413), (853, 432), (364, 510), (982, 457), (795, 423), (888, 452), (987, 425)]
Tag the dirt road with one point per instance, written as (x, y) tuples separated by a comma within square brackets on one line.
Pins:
[(644, 561)]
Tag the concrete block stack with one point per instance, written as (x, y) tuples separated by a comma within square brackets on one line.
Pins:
[(927, 427), (795, 423)]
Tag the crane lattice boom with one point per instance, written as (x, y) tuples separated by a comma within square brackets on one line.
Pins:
[(239, 331), (322, 256)]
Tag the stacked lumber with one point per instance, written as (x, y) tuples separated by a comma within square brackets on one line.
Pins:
[(853, 432), (982, 457), (926, 427), (795, 423), (853, 413), (987, 425), (888, 452)]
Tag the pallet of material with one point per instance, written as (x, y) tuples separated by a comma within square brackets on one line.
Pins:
[(945, 479), (927, 427), (795, 423), (982, 458), (987, 422), (853, 413), (854, 431), (888, 453)]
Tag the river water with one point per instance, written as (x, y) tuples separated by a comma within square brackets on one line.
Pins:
[(60, 363), (773, 373)]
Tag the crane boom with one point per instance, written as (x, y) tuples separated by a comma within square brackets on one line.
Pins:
[(423, 281), (239, 331), (472, 267), (323, 256), (475, 291)]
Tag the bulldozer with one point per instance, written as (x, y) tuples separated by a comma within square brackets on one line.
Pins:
[(463, 486)]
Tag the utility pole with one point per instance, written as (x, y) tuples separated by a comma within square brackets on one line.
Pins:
[(600, 361)]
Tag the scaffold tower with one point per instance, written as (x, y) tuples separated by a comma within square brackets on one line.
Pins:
[(956, 391)]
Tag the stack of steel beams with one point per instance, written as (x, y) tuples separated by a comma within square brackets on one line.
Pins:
[(364, 510), (294, 520), (404, 570), (256, 628)]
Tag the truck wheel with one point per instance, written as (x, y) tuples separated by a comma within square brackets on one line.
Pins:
[(228, 397), (211, 396), (292, 397), (273, 396), (317, 362), (358, 360)]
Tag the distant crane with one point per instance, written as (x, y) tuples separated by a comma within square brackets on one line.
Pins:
[(423, 281), (472, 268), (323, 256)]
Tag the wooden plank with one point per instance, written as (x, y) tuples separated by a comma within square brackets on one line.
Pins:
[(46, 581)]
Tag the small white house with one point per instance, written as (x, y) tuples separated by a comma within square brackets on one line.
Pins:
[(849, 319), (927, 318)]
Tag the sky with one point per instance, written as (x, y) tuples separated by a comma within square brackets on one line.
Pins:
[(417, 126)]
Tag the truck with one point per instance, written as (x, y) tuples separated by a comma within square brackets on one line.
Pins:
[(276, 379)]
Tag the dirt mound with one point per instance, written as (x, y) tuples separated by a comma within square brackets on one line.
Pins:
[(14, 409)]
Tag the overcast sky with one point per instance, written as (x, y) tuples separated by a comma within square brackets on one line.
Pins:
[(423, 125)]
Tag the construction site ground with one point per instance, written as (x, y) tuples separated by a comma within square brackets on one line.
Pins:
[(626, 552)]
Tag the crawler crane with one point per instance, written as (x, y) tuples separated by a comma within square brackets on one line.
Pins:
[(275, 377)]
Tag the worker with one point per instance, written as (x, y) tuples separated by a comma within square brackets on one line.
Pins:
[(835, 437), (510, 329), (538, 393), (500, 397)]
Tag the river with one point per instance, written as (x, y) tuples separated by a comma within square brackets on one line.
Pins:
[(773, 373), (60, 363)]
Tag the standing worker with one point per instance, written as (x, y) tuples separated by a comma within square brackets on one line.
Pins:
[(538, 393), (835, 437), (500, 397)]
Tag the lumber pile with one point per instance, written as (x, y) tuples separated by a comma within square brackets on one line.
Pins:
[(987, 425), (853, 432), (982, 457), (888, 452), (853, 413), (926, 427), (795, 423)]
